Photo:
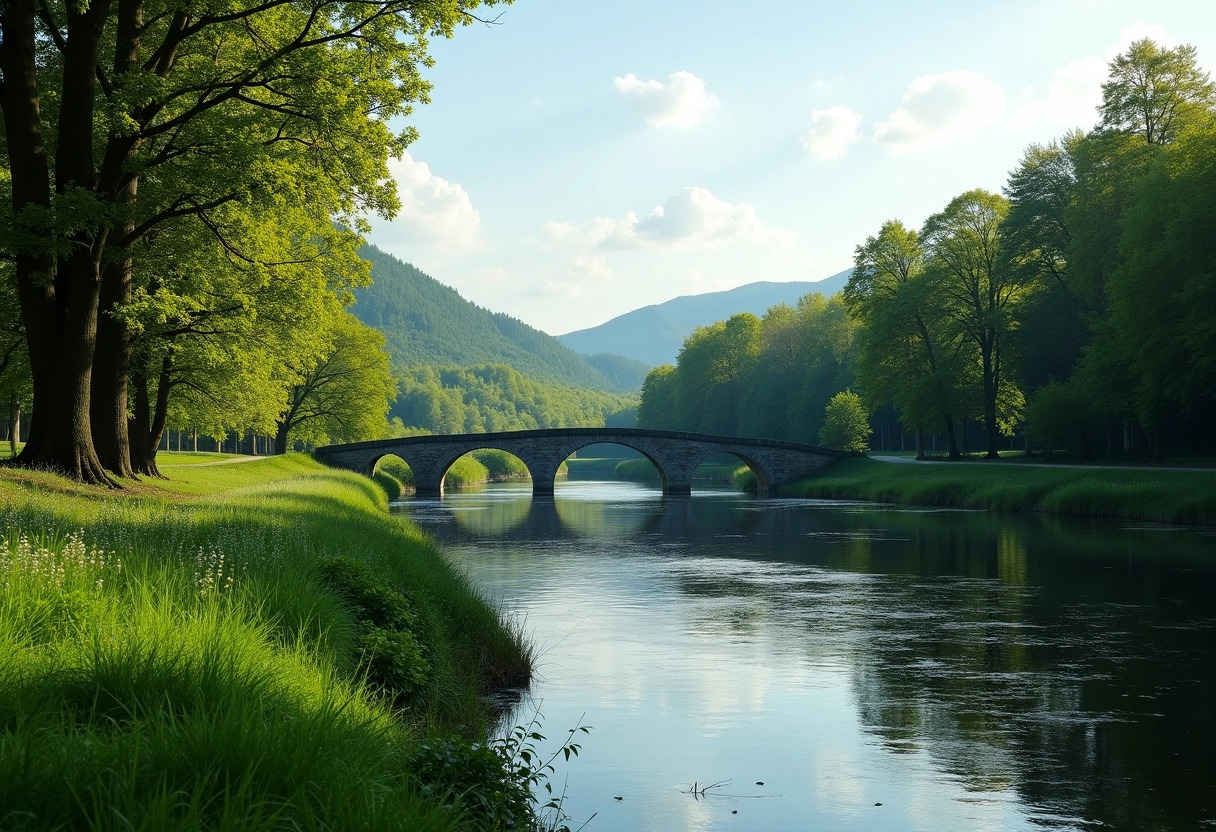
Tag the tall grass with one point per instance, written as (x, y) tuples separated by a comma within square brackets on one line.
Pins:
[(1131, 493), (169, 662)]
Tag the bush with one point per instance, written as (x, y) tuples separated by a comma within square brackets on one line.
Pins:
[(477, 779), (395, 467), (464, 472), (845, 424), (389, 650), (501, 465)]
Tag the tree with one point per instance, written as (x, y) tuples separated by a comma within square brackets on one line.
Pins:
[(1163, 295), (980, 289), (657, 408), (345, 395), (906, 354), (122, 116), (1151, 91), (846, 426)]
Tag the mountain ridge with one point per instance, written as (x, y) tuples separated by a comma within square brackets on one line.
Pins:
[(654, 334)]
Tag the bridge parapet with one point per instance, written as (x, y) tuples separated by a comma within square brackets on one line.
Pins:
[(675, 454)]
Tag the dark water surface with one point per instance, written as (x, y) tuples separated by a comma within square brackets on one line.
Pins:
[(965, 670)]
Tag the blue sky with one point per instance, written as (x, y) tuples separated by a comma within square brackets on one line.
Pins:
[(581, 159)]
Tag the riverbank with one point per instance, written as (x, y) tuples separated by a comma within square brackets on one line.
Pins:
[(244, 646), (1163, 496)]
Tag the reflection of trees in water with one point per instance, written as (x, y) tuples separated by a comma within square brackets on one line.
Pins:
[(1063, 662)]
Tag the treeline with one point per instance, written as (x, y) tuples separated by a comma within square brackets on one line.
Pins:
[(495, 397), (748, 376), (1075, 308)]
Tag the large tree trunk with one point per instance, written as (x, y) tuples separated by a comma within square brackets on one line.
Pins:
[(111, 372), (951, 441), (920, 441), (58, 300)]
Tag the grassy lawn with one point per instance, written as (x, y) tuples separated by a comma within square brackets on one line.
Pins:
[(254, 645), (1131, 493)]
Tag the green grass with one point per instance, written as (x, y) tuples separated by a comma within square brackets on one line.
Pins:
[(175, 661), (1129, 493)]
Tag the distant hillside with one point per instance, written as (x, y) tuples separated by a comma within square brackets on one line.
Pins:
[(625, 373), (427, 323), (654, 334)]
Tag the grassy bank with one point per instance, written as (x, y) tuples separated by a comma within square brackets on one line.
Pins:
[(1131, 493), (254, 645)]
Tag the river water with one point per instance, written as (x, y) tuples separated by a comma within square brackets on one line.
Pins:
[(852, 666)]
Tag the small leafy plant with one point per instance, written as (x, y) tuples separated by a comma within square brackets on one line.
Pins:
[(390, 653)]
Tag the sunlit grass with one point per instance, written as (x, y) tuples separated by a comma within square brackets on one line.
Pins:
[(1130, 493), (170, 660)]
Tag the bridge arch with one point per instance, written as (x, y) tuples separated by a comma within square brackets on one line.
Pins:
[(675, 454), (758, 470), (633, 446)]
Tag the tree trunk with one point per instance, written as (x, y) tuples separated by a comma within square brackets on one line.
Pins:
[(14, 423), (920, 441), (112, 371), (58, 299), (950, 440), (147, 428)]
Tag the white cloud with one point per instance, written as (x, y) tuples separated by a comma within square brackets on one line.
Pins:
[(490, 277), (693, 217), (433, 210), (939, 109), (831, 132), (680, 102), (1074, 91), (1138, 31), (578, 272)]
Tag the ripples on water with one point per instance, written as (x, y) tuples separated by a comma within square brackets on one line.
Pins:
[(964, 670)]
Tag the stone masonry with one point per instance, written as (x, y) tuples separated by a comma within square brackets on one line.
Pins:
[(675, 454)]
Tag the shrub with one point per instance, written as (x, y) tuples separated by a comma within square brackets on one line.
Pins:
[(845, 424), (389, 650)]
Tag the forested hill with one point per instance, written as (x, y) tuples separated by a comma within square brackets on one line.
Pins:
[(428, 324), (654, 334)]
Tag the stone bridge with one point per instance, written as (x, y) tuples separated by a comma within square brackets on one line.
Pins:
[(675, 454)]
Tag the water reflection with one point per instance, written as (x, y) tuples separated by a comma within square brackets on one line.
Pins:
[(966, 670)]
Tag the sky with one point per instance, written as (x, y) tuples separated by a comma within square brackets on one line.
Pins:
[(580, 159)]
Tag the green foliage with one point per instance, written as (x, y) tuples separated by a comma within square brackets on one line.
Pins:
[(226, 688), (344, 393), (466, 471), (1061, 416), (746, 376), (495, 397), (476, 779), (1152, 91), (845, 424), (429, 324), (501, 465), (626, 374)]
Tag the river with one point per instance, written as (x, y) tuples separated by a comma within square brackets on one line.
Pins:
[(852, 666)]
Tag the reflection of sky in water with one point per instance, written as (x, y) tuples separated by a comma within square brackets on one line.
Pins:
[(964, 670)]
